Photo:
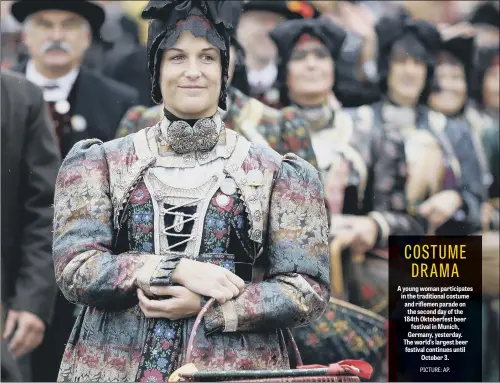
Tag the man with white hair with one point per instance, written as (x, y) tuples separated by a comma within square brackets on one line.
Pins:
[(57, 34)]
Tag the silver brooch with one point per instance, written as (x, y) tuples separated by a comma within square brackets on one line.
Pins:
[(184, 138)]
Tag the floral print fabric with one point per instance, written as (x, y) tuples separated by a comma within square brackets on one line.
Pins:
[(109, 338)]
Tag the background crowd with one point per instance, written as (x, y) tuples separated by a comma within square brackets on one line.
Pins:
[(100, 88)]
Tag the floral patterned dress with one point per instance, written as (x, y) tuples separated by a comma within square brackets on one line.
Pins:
[(116, 207)]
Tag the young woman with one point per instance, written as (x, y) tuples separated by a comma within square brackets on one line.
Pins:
[(282, 130), (149, 226)]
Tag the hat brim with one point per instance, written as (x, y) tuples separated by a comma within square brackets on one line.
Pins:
[(93, 13), (281, 8)]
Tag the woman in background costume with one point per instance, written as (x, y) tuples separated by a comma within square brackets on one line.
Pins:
[(453, 75), (282, 130), (369, 203), (465, 129), (356, 185), (150, 225), (439, 197), (487, 96)]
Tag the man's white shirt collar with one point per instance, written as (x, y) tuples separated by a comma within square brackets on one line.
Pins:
[(64, 83)]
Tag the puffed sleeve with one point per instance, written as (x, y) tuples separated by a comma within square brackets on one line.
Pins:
[(295, 289), (87, 270)]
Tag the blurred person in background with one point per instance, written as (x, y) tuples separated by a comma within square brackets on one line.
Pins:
[(450, 96), (30, 162), (281, 130), (83, 105), (357, 165), (118, 35), (486, 92), (308, 51), (465, 130), (258, 19), (408, 53), (130, 66), (485, 17), (486, 95), (356, 82), (10, 36)]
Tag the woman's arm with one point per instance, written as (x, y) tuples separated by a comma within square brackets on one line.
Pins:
[(295, 289), (87, 270)]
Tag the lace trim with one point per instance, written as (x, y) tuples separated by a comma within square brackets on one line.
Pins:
[(123, 184)]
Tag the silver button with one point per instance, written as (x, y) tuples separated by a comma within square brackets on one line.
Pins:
[(222, 200), (62, 107), (255, 177), (228, 186), (78, 123)]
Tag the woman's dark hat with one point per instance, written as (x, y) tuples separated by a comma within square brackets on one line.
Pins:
[(286, 36), (485, 14), (290, 9), (213, 20), (463, 49), (91, 11)]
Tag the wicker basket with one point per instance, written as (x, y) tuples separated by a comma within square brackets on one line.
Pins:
[(344, 371)]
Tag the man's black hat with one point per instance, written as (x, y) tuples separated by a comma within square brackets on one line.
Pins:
[(92, 12)]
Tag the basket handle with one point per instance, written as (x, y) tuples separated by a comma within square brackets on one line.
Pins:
[(204, 309)]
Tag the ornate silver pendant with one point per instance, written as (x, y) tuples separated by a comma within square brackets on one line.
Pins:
[(178, 223), (183, 138)]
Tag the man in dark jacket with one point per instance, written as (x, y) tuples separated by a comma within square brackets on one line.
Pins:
[(30, 161), (84, 104)]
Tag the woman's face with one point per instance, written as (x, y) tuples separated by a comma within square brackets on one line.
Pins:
[(406, 79), (310, 73), (453, 89), (191, 77), (491, 86)]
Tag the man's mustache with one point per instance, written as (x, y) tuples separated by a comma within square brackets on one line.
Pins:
[(56, 46)]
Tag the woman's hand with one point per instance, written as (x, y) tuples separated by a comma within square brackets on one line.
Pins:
[(358, 232), (440, 208), (207, 279), (182, 304)]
